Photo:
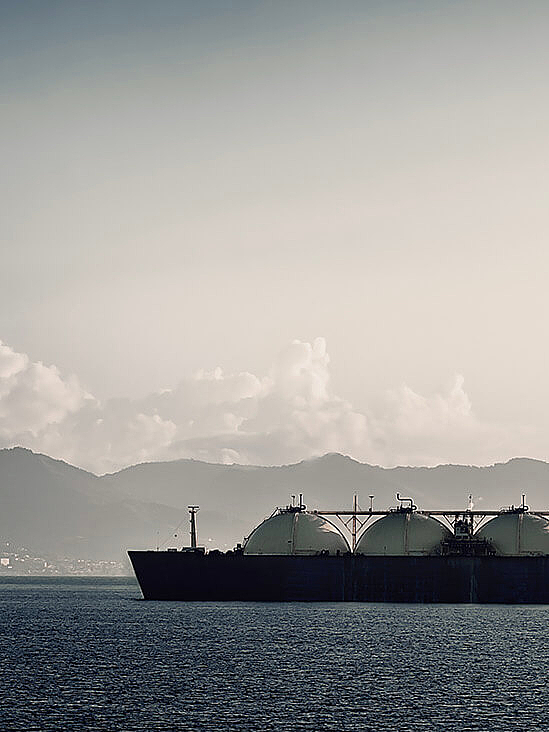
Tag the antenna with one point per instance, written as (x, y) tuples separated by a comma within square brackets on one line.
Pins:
[(353, 529), (193, 510), (371, 503)]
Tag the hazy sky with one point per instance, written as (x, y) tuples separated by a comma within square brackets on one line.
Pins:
[(189, 186)]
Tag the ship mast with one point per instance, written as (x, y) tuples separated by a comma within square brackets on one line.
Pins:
[(193, 510)]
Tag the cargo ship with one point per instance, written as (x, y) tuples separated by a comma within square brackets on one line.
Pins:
[(400, 555)]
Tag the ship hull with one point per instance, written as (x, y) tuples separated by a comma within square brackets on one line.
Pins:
[(195, 576), (166, 575)]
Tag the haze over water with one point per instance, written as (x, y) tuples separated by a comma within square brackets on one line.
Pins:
[(88, 654)]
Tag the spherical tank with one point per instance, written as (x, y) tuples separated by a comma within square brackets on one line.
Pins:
[(297, 533), (403, 533), (517, 533)]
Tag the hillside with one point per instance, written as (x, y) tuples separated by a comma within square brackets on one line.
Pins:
[(57, 509)]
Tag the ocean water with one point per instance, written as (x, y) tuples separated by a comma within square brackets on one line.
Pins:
[(89, 654)]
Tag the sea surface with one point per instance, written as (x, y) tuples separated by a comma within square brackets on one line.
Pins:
[(89, 654)]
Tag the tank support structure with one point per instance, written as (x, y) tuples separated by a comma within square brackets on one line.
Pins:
[(460, 522), (353, 524)]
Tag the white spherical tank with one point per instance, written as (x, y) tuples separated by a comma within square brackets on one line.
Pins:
[(296, 533), (517, 533), (403, 533)]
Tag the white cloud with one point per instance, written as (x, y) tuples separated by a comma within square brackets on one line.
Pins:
[(289, 414), (33, 396), (413, 429)]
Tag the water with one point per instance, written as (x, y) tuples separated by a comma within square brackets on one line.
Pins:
[(87, 654)]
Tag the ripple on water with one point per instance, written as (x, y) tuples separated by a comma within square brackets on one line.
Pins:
[(85, 654)]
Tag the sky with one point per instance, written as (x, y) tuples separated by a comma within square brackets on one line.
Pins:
[(257, 232)]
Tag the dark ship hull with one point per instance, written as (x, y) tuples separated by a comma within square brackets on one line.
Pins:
[(192, 575)]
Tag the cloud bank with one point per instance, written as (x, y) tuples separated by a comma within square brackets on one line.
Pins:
[(289, 414)]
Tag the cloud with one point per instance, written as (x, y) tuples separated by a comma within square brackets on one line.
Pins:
[(286, 415), (33, 396), (413, 429)]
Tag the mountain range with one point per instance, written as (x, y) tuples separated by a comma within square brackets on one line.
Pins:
[(58, 510)]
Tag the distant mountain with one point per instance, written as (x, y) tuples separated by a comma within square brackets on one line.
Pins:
[(241, 495), (56, 508)]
